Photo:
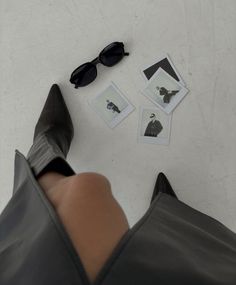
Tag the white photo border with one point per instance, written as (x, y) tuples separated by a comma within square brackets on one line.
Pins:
[(153, 140), (175, 101), (117, 120), (171, 63)]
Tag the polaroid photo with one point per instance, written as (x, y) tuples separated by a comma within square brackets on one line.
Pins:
[(164, 91), (165, 63), (154, 126), (111, 105)]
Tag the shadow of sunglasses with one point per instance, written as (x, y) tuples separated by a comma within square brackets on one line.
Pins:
[(87, 72)]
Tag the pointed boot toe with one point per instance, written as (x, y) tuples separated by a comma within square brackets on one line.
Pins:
[(55, 114), (163, 185), (52, 138)]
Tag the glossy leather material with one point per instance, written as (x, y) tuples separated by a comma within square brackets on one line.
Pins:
[(34, 248), (172, 243), (52, 136), (163, 185)]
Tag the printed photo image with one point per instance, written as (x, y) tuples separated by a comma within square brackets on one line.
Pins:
[(111, 105), (154, 126), (166, 64), (164, 91)]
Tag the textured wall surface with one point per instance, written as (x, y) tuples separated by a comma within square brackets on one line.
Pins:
[(41, 42)]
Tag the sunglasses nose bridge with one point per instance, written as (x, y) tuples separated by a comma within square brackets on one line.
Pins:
[(96, 60)]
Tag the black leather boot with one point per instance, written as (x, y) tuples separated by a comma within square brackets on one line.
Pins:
[(52, 137), (162, 185)]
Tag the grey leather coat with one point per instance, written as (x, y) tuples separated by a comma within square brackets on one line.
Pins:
[(172, 243)]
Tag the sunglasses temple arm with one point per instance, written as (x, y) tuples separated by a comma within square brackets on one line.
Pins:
[(126, 53)]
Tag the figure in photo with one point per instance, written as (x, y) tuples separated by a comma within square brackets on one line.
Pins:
[(112, 106), (166, 93), (154, 127)]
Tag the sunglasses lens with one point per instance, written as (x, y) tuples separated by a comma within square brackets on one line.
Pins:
[(112, 54), (84, 74)]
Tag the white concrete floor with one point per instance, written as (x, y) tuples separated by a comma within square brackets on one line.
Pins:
[(41, 42)]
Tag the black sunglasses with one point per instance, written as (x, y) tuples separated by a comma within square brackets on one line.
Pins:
[(87, 72)]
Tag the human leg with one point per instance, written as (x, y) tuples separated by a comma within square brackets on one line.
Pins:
[(92, 217), (90, 214)]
